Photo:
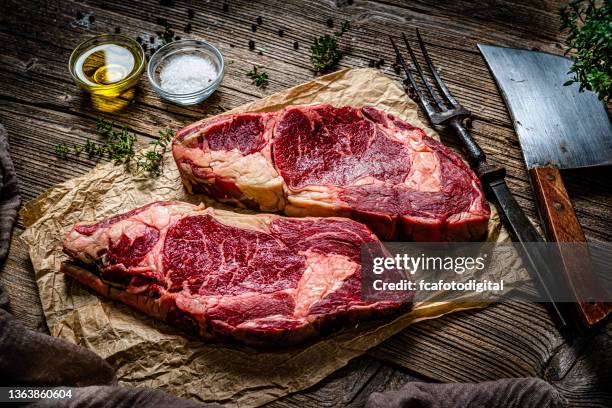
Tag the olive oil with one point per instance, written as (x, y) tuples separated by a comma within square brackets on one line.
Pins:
[(105, 64), (108, 67)]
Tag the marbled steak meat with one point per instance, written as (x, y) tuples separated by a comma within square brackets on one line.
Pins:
[(325, 161), (258, 279)]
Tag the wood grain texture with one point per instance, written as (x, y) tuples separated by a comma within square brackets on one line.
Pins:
[(562, 226), (17, 277), (41, 107), (506, 340), (554, 205)]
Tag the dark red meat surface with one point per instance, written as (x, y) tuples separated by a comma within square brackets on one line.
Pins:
[(258, 279), (320, 160)]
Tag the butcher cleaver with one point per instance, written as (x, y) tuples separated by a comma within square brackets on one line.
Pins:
[(558, 128)]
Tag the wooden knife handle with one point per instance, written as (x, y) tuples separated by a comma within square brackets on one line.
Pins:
[(561, 225)]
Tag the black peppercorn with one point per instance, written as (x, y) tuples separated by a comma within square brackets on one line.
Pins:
[(330, 22), (281, 32), (92, 19), (349, 2), (372, 63), (151, 39), (296, 45), (253, 27), (380, 63), (177, 37), (138, 39), (251, 45), (260, 53), (190, 13), (259, 20), (225, 7), (79, 15), (187, 28), (117, 30)]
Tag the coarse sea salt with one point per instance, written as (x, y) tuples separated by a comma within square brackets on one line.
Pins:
[(187, 73)]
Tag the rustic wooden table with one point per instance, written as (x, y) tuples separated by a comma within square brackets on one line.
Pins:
[(41, 107)]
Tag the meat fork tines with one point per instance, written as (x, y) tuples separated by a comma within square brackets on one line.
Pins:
[(442, 108), (439, 104)]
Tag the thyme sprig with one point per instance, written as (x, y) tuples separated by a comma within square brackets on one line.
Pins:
[(119, 146), (152, 160), (119, 143), (62, 150), (324, 52), (590, 44), (260, 78)]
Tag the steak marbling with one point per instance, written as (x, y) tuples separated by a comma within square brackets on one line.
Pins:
[(325, 161), (259, 279)]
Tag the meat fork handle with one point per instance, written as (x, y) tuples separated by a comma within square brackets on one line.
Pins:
[(523, 232), (475, 154), (477, 158), (526, 236)]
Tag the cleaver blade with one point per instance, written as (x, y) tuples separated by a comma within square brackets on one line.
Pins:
[(556, 124), (558, 128)]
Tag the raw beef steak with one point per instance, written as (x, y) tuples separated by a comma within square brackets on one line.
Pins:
[(325, 161), (260, 279)]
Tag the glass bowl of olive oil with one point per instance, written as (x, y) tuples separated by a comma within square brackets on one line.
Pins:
[(108, 66)]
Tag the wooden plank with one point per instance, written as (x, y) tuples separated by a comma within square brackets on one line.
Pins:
[(17, 278), (505, 340), (535, 20), (520, 335), (372, 43), (33, 133)]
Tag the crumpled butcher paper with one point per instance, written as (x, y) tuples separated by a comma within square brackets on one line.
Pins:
[(145, 352)]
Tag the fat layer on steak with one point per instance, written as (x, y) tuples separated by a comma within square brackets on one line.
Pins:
[(325, 161), (259, 279)]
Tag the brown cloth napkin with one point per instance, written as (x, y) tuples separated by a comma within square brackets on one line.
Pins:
[(506, 393), (29, 358), (9, 204)]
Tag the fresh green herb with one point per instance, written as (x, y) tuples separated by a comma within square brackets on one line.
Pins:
[(152, 160), (93, 149), (62, 150), (260, 79), (590, 44), (119, 144), (324, 50)]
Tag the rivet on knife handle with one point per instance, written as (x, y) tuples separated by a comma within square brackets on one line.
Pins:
[(562, 226)]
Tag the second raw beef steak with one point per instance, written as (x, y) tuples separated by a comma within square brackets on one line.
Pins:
[(258, 279)]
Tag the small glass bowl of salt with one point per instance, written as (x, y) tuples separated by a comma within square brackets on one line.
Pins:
[(186, 71)]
